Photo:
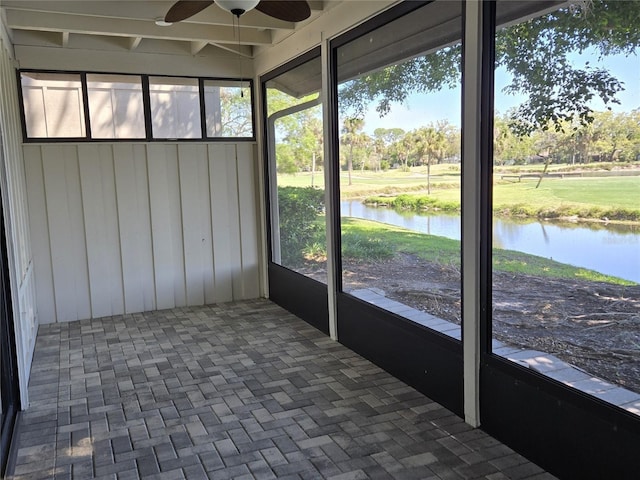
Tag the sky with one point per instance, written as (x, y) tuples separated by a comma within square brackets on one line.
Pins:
[(422, 109)]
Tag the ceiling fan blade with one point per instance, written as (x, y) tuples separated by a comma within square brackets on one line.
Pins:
[(287, 10), (185, 8)]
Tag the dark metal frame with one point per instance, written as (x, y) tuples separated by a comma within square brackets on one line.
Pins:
[(144, 81), (567, 432), (299, 294), (423, 358), (9, 370)]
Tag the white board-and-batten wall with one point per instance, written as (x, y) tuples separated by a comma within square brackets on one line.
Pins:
[(120, 228), (16, 221)]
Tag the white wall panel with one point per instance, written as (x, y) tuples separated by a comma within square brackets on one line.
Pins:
[(16, 217), (196, 217), (40, 243), (132, 227), (97, 180), (134, 222), (225, 224), (247, 203), (66, 232), (166, 226)]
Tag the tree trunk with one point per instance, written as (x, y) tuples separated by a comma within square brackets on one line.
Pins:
[(350, 163), (544, 171)]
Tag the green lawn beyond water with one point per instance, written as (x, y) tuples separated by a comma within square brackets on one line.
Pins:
[(615, 198), (612, 198)]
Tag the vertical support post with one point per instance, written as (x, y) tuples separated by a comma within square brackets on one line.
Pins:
[(276, 253), (330, 194), (260, 121), (471, 207)]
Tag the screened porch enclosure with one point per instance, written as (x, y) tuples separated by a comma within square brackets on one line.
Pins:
[(174, 195)]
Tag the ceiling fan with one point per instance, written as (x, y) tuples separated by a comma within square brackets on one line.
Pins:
[(287, 10)]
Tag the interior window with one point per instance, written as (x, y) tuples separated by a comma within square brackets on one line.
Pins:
[(116, 106), (175, 107), (227, 105), (53, 105)]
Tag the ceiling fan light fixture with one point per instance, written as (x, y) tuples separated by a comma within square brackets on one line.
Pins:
[(237, 7)]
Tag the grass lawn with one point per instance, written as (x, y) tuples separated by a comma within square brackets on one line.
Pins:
[(370, 183), (561, 167), (617, 198), (605, 192), (614, 197), (446, 251)]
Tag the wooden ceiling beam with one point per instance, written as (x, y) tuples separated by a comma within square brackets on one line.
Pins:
[(146, 11), (55, 22)]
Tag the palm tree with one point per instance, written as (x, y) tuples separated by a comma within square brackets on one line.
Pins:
[(430, 143), (379, 148), (351, 136)]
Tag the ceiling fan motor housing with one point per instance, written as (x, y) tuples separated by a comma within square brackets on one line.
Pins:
[(237, 7)]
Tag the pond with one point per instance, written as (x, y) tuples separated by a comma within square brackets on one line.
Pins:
[(609, 249)]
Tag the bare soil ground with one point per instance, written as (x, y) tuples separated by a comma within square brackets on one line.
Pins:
[(594, 326)]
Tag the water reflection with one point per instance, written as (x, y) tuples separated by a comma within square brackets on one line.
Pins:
[(611, 249)]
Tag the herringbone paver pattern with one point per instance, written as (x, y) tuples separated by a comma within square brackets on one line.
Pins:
[(241, 390)]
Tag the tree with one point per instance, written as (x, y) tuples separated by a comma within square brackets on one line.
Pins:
[(395, 83), (509, 148), (352, 137), (389, 135), (299, 141), (535, 53), (584, 139), (500, 140), (428, 143), (453, 140), (235, 112), (385, 138), (401, 149), (286, 159), (617, 135), (379, 150), (298, 135), (366, 149), (315, 140)]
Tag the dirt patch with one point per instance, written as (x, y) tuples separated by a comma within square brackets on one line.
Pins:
[(594, 326)]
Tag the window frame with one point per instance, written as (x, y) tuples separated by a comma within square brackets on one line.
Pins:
[(144, 80), (86, 93), (23, 117), (428, 360)]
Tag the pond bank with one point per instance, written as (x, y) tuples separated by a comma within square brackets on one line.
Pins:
[(618, 245), (569, 213)]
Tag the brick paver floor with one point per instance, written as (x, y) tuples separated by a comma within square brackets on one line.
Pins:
[(241, 390)]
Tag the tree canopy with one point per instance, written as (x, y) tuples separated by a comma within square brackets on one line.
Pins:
[(536, 53)]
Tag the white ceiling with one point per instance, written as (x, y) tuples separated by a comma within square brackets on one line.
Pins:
[(130, 26)]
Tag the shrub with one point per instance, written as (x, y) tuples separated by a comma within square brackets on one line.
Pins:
[(356, 246), (404, 202), (299, 209)]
